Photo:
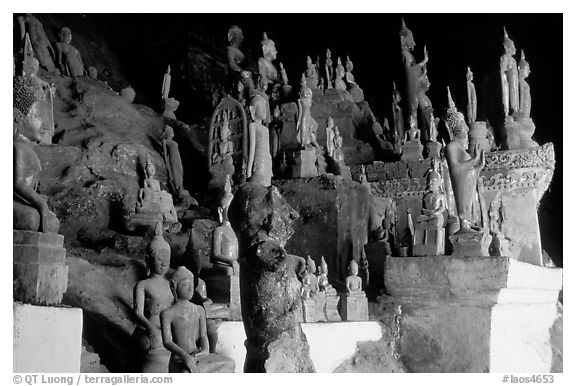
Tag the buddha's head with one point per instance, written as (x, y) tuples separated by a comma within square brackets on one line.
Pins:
[(158, 257), (182, 283)]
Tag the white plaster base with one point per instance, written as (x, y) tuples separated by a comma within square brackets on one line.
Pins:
[(330, 343), (47, 339)]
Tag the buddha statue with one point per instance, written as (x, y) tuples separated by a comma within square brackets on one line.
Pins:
[(464, 169), (525, 98), (184, 331), (413, 69), (353, 281), (339, 77), (349, 76), (30, 208), (306, 125), (166, 82), (323, 284), (329, 69), (434, 200), (472, 101), (152, 296), (151, 198), (268, 72), (175, 168), (310, 276), (92, 73), (225, 244), (68, 57), (413, 134), (330, 135), (397, 114), (311, 74), (259, 167), (226, 198), (169, 107), (43, 50), (509, 77), (235, 57)]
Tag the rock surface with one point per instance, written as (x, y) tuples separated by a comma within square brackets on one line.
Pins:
[(269, 288)]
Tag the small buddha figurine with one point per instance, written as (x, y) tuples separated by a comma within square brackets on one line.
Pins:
[(305, 290), (329, 69), (509, 77), (226, 198), (259, 168), (152, 193), (310, 276), (184, 331), (364, 273), (311, 74), (268, 72), (323, 284), (152, 296), (68, 57), (275, 127), (330, 134), (464, 170), (525, 98), (166, 81), (413, 69), (349, 76), (169, 107), (472, 101), (397, 114), (235, 57), (174, 162), (339, 79), (306, 125), (434, 201), (283, 75), (30, 208), (413, 133), (225, 244), (353, 281), (92, 73)]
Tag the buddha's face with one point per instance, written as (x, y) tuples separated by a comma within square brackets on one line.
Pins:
[(269, 51), (408, 41), (92, 72), (160, 262), (509, 47), (185, 288), (524, 70), (434, 181), (32, 125), (330, 122), (66, 35), (150, 170), (353, 269), (169, 132)]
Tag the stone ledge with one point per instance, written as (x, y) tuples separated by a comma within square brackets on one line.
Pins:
[(485, 279)]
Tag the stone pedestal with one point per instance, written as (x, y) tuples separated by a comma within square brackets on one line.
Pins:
[(428, 240), (326, 306), (304, 164), (527, 129), (353, 308), (470, 244), (412, 150), (309, 310), (513, 184), (512, 129), (40, 272), (47, 339), (478, 314), (478, 135)]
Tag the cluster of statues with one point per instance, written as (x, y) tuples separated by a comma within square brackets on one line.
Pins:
[(172, 330)]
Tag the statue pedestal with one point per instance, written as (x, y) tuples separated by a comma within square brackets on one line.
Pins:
[(470, 244), (433, 149), (354, 308), (309, 310), (481, 314), (156, 361), (47, 339), (327, 307), (305, 164), (235, 309), (512, 129), (40, 270), (479, 135), (513, 184), (412, 150), (428, 240), (527, 129)]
